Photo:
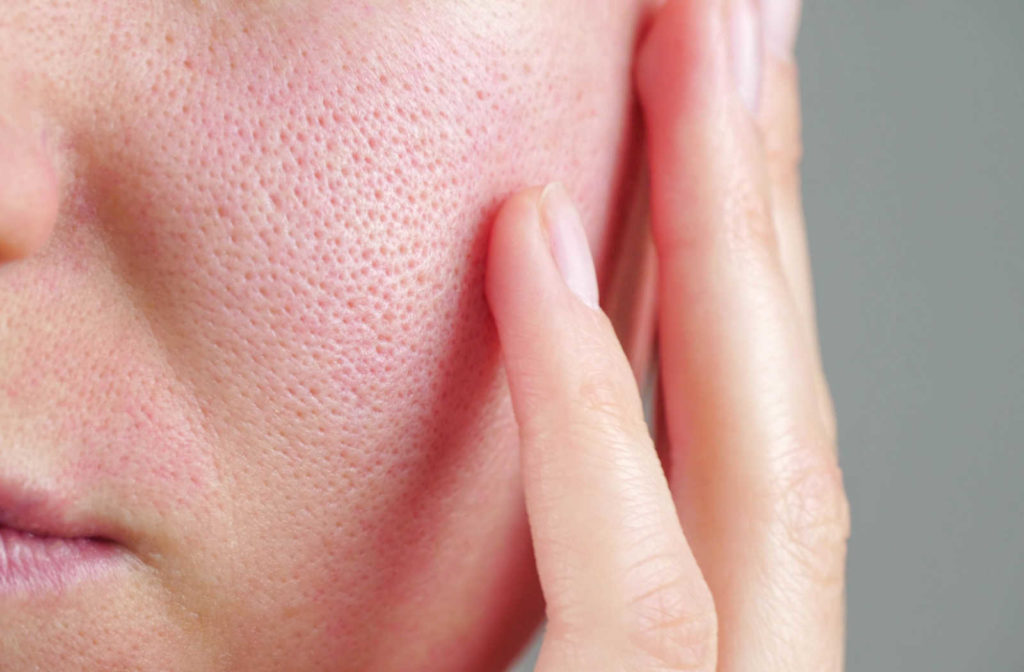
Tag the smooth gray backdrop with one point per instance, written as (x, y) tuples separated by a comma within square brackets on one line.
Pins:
[(914, 190)]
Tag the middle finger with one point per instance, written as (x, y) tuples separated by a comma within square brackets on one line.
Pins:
[(752, 468)]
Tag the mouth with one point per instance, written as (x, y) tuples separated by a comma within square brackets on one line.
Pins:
[(30, 563), (44, 548)]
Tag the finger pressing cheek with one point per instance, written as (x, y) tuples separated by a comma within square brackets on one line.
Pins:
[(622, 589)]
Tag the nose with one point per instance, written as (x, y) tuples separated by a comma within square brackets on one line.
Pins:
[(29, 193)]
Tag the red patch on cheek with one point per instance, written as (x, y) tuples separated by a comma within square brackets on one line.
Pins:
[(362, 199)]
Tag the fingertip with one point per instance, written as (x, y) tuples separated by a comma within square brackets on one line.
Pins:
[(568, 243), (538, 250), (598, 503), (678, 58), (515, 227)]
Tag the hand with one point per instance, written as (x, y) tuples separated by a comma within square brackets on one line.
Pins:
[(735, 561)]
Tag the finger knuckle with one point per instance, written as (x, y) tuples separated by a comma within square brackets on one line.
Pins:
[(739, 227), (750, 228), (610, 406), (811, 514), (673, 626), (784, 158), (783, 147), (595, 398)]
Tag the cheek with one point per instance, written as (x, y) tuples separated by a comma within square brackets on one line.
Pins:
[(341, 240), (300, 207), (293, 212), (316, 234)]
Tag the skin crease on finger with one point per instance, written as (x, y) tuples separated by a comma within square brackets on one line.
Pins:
[(255, 343)]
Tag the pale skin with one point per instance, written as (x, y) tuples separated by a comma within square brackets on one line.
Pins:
[(735, 561)]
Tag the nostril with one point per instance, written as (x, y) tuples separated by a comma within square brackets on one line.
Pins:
[(29, 194)]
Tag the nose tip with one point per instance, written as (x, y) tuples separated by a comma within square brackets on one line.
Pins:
[(29, 194)]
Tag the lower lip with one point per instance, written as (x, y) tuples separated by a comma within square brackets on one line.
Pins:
[(31, 563)]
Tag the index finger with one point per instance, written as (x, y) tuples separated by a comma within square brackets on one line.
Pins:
[(623, 590)]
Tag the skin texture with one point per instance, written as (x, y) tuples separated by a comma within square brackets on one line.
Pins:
[(728, 554), (243, 324)]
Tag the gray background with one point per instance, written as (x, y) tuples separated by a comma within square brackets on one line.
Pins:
[(914, 189)]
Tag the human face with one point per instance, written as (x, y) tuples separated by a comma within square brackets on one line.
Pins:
[(243, 329)]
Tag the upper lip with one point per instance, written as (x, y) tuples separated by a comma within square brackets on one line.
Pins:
[(45, 513)]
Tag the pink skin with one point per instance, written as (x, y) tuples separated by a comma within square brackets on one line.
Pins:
[(242, 317)]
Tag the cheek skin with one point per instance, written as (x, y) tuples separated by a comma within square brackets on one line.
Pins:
[(276, 216)]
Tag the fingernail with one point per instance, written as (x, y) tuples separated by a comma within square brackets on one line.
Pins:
[(781, 25), (569, 245), (745, 35)]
